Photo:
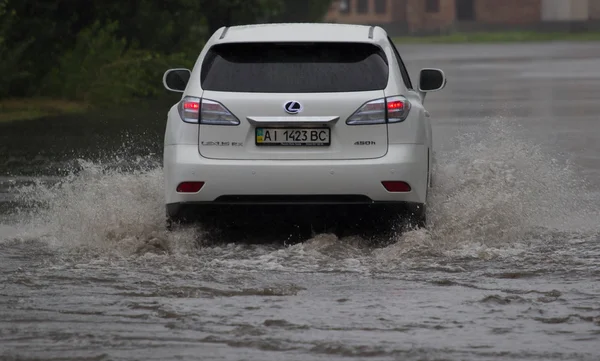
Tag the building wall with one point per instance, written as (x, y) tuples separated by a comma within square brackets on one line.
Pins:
[(567, 10), (410, 16), (594, 9), (398, 8), (354, 17), (419, 20), (580, 9), (553, 10), (508, 11)]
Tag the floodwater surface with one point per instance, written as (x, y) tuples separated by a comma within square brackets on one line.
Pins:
[(508, 269)]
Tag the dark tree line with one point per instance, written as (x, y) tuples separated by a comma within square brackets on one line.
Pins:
[(50, 47)]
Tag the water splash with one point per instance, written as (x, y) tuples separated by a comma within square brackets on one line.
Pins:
[(497, 190), (101, 206), (492, 192)]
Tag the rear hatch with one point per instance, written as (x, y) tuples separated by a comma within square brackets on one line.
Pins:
[(291, 101)]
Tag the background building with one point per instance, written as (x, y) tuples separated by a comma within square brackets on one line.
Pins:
[(444, 16)]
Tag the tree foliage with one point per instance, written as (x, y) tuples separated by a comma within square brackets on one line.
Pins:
[(106, 50)]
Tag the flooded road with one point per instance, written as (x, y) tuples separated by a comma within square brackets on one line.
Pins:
[(509, 269)]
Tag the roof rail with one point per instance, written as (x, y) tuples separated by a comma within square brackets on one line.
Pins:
[(371, 30), (224, 32)]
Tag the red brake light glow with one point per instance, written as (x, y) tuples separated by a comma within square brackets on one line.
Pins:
[(205, 111), (380, 111), (191, 105), (189, 109), (394, 105)]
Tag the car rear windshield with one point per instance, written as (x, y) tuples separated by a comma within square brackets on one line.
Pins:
[(294, 67)]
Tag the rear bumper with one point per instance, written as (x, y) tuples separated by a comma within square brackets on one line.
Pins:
[(296, 181)]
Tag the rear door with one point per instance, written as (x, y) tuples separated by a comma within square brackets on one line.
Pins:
[(292, 101)]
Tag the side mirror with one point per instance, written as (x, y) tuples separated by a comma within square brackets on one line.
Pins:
[(431, 80), (176, 80)]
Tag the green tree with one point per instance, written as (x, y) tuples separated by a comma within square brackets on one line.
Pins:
[(238, 12), (64, 47)]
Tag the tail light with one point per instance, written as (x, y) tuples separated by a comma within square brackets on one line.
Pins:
[(189, 109), (371, 113), (397, 109), (379, 111), (204, 111), (215, 113)]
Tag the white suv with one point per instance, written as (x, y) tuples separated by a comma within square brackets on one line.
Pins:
[(294, 114)]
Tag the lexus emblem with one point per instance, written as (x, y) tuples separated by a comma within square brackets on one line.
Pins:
[(293, 107)]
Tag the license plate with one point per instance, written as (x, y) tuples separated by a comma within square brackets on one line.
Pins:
[(293, 136)]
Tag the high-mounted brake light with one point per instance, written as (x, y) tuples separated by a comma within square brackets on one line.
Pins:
[(379, 111), (204, 111)]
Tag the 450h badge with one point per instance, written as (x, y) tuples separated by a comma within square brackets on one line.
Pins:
[(364, 142)]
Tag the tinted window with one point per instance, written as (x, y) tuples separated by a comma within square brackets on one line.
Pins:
[(294, 68)]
